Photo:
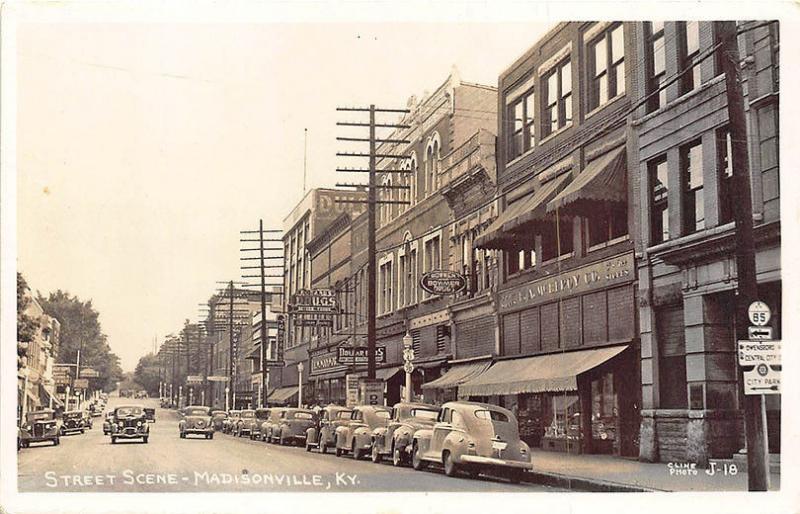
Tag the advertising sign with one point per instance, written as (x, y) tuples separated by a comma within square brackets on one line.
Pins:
[(371, 391), (443, 282), (217, 378), (89, 373), (314, 301), (351, 384), (62, 375), (194, 379), (358, 355), (313, 320), (280, 341), (81, 383)]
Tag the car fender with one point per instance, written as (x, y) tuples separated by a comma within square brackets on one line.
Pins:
[(362, 435), (423, 439), (182, 424), (402, 437), (379, 438), (341, 436), (311, 434), (456, 443)]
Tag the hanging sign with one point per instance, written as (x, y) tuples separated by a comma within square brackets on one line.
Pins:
[(314, 301), (358, 355), (443, 282)]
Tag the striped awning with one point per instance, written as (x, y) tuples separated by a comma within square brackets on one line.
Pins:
[(458, 374), (602, 181), (282, 394)]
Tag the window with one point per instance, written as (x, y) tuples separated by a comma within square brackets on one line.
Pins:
[(554, 246), (432, 154), (413, 178), (386, 287), (688, 50), (558, 98), (659, 192), (692, 187), (519, 259), (607, 66), (656, 66), (401, 282), (520, 125), (672, 357), (492, 415), (725, 174), (411, 276), (609, 225)]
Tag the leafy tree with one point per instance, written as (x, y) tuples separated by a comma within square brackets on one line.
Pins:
[(147, 374), (80, 329), (26, 325)]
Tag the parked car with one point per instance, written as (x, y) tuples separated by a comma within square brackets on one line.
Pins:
[(218, 418), (41, 425), (272, 422), (87, 419), (355, 436), (196, 420), (129, 422), (323, 435), (72, 421), (150, 414), (230, 421), (262, 414), (293, 424), (245, 422), (107, 422), (474, 437), (395, 439)]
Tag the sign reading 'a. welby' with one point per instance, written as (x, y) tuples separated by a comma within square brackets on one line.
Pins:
[(616, 270)]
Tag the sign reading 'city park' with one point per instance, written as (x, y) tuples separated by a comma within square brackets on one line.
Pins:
[(443, 282)]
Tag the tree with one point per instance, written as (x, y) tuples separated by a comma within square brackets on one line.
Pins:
[(147, 374), (26, 325), (80, 330)]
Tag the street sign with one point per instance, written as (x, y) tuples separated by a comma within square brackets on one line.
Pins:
[(763, 379), (194, 379), (371, 391), (753, 353), (408, 367), (81, 383), (760, 333), (443, 282), (359, 355), (89, 373), (759, 313), (217, 378)]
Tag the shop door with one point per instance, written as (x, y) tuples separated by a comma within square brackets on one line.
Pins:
[(604, 418)]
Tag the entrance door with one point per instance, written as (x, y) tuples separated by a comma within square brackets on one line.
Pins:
[(604, 418)]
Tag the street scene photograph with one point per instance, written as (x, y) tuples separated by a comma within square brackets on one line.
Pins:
[(396, 257)]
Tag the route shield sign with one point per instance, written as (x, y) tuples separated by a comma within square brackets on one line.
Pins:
[(759, 313)]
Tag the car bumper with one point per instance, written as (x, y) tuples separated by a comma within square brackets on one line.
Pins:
[(198, 430), (492, 461), (38, 439), (130, 435)]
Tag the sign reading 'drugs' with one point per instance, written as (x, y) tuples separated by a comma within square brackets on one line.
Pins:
[(616, 270), (314, 301)]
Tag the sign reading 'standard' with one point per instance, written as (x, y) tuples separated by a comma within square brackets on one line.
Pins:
[(616, 270)]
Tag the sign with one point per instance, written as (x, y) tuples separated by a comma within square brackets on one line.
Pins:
[(607, 273), (217, 378), (313, 320), (358, 355), (351, 384), (62, 375), (194, 379), (81, 383), (762, 380), (760, 333), (280, 338), (324, 362), (89, 373), (314, 301), (443, 282), (408, 367), (371, 391), (759, 313), (753, 353)]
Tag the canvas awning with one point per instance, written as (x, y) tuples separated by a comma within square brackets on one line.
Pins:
[(458, 374), (282, 394), (603, 180), (526, 210), (387, 373), (538, 374)]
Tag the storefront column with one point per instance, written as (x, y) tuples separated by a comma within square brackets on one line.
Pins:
[(585, 398), (648, 438)]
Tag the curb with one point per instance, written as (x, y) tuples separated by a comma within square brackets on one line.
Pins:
[(583, 484)]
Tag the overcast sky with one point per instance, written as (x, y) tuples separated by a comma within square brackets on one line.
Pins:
[(144, 148)]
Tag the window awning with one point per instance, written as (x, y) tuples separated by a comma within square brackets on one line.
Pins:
[(526, 210), (282, 394), (458, 374), (538, 374), (387, 373), (603, 180)]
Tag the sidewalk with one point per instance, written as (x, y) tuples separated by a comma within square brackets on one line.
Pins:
[(615, 474)]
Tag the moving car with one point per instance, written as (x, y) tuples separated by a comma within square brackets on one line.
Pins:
[(150, 414), (395, 439), (129, 422), (87, 419), (72, 421), (245, 422), (323, 435), (218, 418), (262, 414), (230, 421), (107, 422), (196, 420), (474, 437), (41, 425), (355, 436), (293, 424), (271, 424)]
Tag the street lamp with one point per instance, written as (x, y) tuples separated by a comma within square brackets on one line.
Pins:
[(227, 399), (408, 366), (300, 385)]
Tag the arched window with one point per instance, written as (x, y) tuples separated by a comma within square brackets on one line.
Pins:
[(413, 178), (432, 155)]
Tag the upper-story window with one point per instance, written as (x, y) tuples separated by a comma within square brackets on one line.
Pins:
[(688, 50), (432, 155), (607, 66), (692, 187), (412, 178), (725, 174), (520, 117), (659, 201), (557, 239), (656, 66), (432, 256), (557, 95)]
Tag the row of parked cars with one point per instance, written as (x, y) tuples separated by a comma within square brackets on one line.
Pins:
[(467, 437), (46, 425)]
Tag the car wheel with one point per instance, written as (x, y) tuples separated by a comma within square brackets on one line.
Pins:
[(113, 440), (397, 456), (183, 436), (376, 454), (145, 438), (211, 435), (57, 441), (357, 453), (281, 439), (416, 459), (83, 431), (450, 466), (308, 445), (323, 447), (515, 475), (338, 452)]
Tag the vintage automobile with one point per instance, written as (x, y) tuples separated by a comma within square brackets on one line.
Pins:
[(355, 436), (107, 422), (150, 414), (474, 437), (245, 422), (72, 421), (271, 423), (129, 422), (218, 418), (262, 414), (196, 420), (88, 422), (323, 435), (395, 439), (41, 425), (293, 424), (230, 422)]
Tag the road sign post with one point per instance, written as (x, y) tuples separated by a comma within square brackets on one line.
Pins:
[(762, 360)]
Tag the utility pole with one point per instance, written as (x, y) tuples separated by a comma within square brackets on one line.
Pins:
[(746, 283), (230, 348), (371, 202)]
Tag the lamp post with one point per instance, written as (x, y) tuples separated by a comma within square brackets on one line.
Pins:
[(227, 399), (408, 365), (300, 385)]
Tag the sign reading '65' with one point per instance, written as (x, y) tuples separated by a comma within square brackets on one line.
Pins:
[(443, 282)]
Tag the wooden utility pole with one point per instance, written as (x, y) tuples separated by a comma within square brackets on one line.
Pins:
[(747, 285)]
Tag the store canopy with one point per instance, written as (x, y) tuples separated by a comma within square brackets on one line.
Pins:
[(48, 394), (387, 373), (458, 374), (603, 180), (282, 394), (542, 373), (526, 210)]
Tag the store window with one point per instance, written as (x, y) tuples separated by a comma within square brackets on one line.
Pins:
[(672, 383), (564, 415), (557, 239), (725, 175), (692, 187), (688, 52), (656, 66), (520, 121), (606, 66), (557, 97), (604, 413), (659, 193), (608, 225)]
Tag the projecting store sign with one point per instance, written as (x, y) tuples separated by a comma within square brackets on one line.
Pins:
[(314, 301), (358, 354), (443, 282)]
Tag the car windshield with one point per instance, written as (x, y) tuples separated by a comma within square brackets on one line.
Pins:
[(72, 414), (303, 415), (425, 413), (491, 415), (129, 411), (38, 416), (262, 414), (196, 411), (345, 414), (383, 414), (248, 414), (220, 414)]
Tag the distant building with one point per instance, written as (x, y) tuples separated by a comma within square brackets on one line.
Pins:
[(36, 388)]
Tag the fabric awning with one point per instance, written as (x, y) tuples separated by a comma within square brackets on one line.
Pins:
[(458, 374), (255, 353), (523, 211), (538, 374), (603, 180), (282, 394), (387, 373), (48, 394)]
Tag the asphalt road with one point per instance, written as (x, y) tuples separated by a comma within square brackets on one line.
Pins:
[(89, 463)]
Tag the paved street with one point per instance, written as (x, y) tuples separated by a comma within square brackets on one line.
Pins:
[(89, 463)]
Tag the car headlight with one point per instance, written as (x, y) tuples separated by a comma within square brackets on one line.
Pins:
[(138, 423)]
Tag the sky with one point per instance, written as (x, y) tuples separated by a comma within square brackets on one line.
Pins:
[(144, 148)]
